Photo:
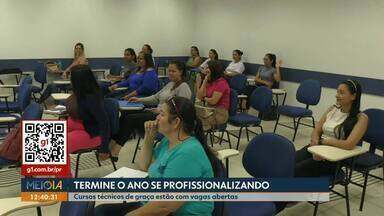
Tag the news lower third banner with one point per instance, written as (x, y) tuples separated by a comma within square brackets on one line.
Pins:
[(175, 189)]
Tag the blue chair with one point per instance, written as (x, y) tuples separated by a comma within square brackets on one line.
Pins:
[(238, 83), (261, 100), (115, 70), (23, 98), (111, 107), (40, 76), (259, 160), (77, 208), (308, 93), (370, 160)]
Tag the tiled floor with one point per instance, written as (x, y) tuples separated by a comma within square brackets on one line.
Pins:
[(374, 204)]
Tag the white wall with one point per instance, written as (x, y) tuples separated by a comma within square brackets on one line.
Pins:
[(337, 36), (50, 28)]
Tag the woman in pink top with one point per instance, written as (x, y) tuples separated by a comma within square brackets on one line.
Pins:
[(214, 91)]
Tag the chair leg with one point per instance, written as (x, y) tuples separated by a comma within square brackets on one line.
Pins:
[(313, 122), (227, 166), (38, 209), (221, 137), (238, 139), (347, 199), (229, 141), (211, 138), (113, 162), (261, 129), (246, 131), (296, 126), (77, 165), (363, 192), (137, 147), (316, 208), (277, 122), (97, 159)]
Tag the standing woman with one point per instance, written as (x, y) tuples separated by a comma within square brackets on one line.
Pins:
[(213, 90), (79, 59), (194, 61), (236, 66), (134, 122), (342, 126)]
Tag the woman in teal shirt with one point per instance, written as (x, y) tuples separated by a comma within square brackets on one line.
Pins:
[(183, 144)]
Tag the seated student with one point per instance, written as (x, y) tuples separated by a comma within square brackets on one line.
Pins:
[(79, 59), (194, 61), (142, 83), (129, 67), (211, 56), (236, 66), (342, 126), (88, 121), (147, 49), (131, 122), (269, 73), (214, 91), (184, 144)]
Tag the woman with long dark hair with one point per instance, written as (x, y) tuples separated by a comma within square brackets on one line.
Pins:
[(88, 121), (342, 126), (269, 73), (133, 122), (211, 56), (183, 143), (214, 91), (195, 60), (130, 66), (143, 82)]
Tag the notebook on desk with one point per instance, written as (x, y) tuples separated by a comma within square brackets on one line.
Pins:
[(124, 103), (125, 172)]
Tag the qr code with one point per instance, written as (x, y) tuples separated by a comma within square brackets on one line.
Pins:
[(44, 142)]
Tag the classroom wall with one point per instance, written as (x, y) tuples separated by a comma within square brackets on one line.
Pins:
[(50, 28), (336, 36)]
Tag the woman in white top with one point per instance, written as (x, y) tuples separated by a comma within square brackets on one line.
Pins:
[(212, 56), (236, 66), (342, 126)]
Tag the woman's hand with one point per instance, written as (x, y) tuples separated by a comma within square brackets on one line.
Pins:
[(133, 99), (279, 63), (112, 87), (150, 129)]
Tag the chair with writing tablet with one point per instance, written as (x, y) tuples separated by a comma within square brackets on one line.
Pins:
[(338, 156), (268, 155)]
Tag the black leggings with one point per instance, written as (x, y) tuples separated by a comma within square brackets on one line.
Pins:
[(132, 122), (306, 166)]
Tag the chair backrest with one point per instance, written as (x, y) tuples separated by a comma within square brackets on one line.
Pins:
[(111, 106), (233, 103), (238, 83), (40, 74), (309, 92), (261, 99), (115, 70), (374, 133), (32, 112), (24, 93), (77, 208), (269, 155)]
